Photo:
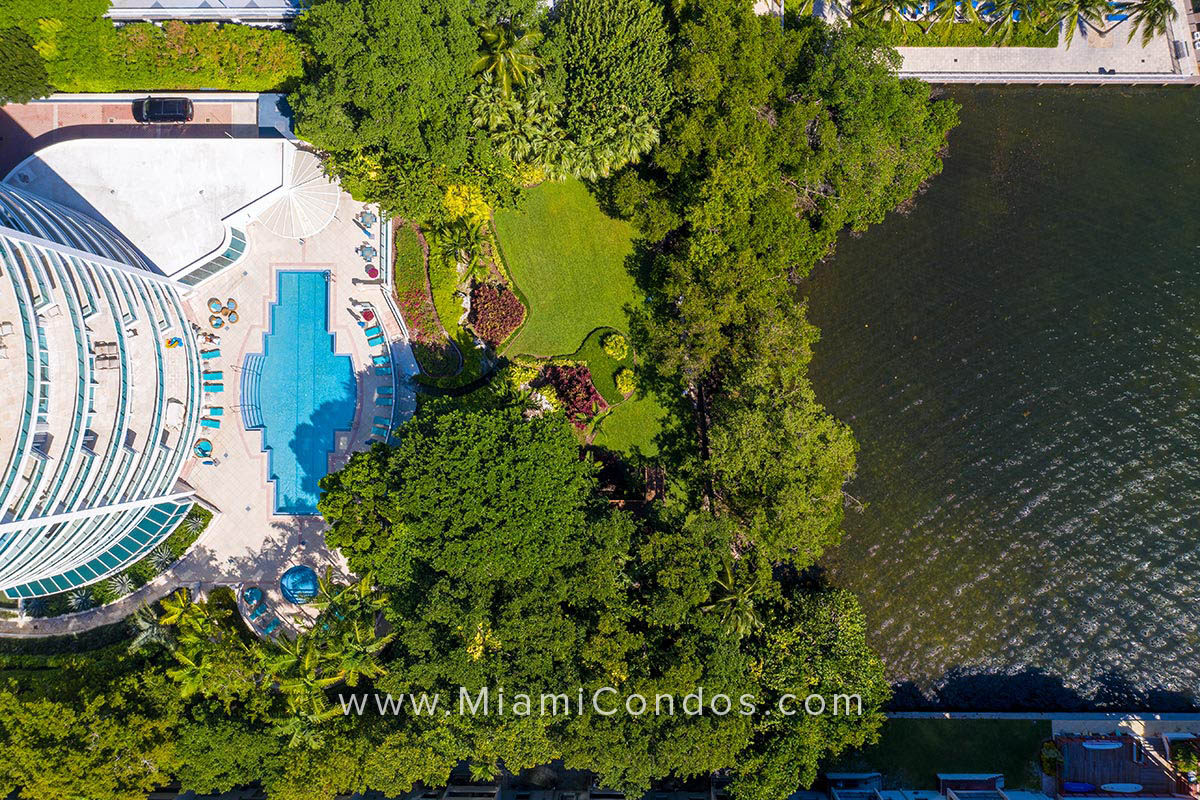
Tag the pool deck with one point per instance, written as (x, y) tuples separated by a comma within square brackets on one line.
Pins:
[(247, 544)]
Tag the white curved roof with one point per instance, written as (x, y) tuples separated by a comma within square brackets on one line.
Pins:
[(306, 204)]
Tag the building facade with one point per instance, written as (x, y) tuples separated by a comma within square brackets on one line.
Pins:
[(100, 376)]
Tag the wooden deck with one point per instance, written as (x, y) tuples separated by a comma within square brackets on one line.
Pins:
[(1099, 767)]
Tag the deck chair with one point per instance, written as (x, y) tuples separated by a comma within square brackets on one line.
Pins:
[(210, 423), (216, 411), (383, 401), (383, 371), (214, 376), (214, 387), (380, 361), (374, 330), (210, 353)]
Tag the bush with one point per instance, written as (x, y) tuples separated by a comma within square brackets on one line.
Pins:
[(495, 313), (82, 51), (23, 74), (968, 34), (1051, 759), (573, 385), (626, 383), (616, 346)]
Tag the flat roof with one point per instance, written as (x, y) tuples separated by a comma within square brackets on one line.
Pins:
[(166, 196)]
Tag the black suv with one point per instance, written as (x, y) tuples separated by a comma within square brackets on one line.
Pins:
[(163, 109)]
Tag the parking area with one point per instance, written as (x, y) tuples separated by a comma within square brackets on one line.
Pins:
[(24, 129)]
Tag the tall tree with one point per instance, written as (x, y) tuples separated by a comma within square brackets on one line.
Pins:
[(507, 57), (23, 75), (1153, 18), (385, 96)]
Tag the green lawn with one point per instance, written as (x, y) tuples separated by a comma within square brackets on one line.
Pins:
[(568, 260), (602, 366), (632, 426), (911, 752)]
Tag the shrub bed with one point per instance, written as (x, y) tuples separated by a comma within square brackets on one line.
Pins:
[(967, 34), (572, 384), (84, 52), (495, 312)]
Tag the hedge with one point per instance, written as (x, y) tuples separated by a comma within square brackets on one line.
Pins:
[(84, 52), (968, 34)]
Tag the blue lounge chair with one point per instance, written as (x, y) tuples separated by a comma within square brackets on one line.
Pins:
[(210, 423), (214, 387), (380, 431), (214, 376), (210, 353), (374, 330), (258, 612), (216, 411), (385, 390), (272, 626), (384, 421), (383, 370), (252, 595), (380, 361), (383, 401), (376, 341)]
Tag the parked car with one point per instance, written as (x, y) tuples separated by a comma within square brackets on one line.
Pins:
[(163, 110)]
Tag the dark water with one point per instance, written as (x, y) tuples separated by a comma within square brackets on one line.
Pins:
[(1020, 360)]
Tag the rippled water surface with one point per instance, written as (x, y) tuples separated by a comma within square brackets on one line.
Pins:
[(1019, 358)]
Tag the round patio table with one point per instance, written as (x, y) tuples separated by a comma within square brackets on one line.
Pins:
[(372, 272)]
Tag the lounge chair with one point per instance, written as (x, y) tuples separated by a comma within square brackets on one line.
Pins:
[(374, 330), (383, 371), (210, 353), (6, 328), (376, 341), (258, 612), (384, 421), (380, 361), (383, 401), (379, 430), (216, 411), (271, 627), (210, 423), (385, 390), (214, 376), (214, 387)]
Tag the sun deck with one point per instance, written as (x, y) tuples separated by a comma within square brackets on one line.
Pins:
[(1131, 761)]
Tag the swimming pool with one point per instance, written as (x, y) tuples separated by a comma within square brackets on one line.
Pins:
[(298, 391)]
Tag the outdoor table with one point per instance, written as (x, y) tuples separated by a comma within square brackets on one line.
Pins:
[(372, 273), (368, 314)]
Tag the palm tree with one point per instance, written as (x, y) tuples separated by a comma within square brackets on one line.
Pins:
[(506, 56), (162, 558), (1152, 17), (1080, 14), (358, 655), (192, 524), (194, 673), (302, 728), (149, 632), (175, 607), (876, 13), (80, 599), (304, 672), (734, 601), (121, 584)]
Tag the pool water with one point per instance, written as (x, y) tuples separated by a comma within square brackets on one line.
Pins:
[(303, 391)]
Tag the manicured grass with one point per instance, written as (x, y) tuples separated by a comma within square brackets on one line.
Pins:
[(968, 34), (568, 260), (911, 752), (603, 366), (631, 427), (409, 258)]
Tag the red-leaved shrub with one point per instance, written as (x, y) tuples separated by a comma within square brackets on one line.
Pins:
[(495, 312), (573, 385)]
